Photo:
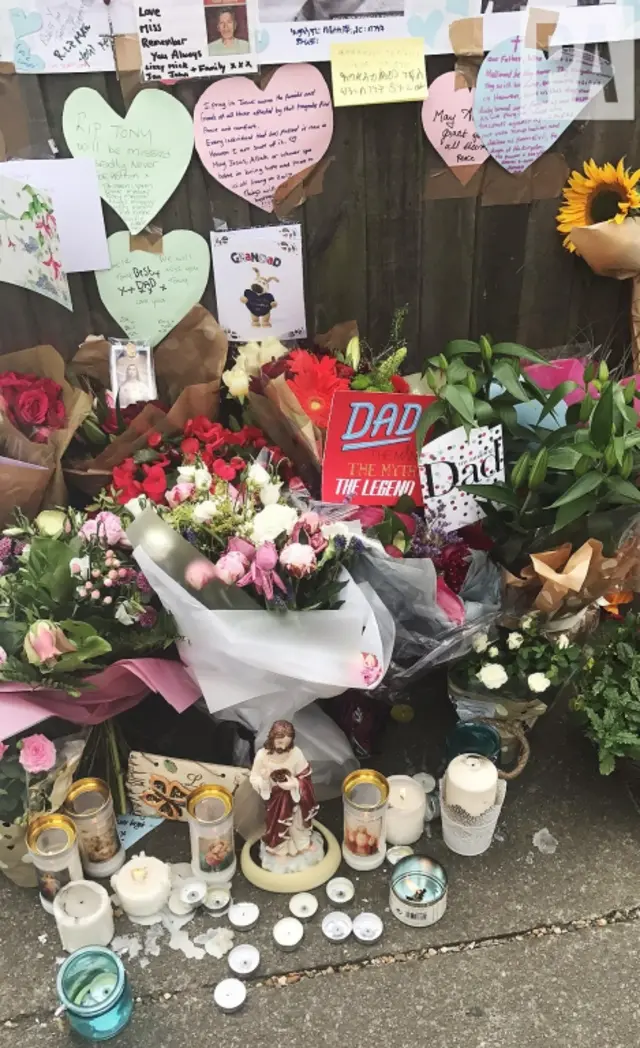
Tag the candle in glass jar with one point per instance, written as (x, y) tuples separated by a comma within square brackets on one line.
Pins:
[(143, 885), (364, 795), (210, 818), (90, 805), (83, 914), (52, 843), (406, 811)]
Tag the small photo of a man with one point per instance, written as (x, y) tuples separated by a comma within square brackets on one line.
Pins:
[(227, 29)]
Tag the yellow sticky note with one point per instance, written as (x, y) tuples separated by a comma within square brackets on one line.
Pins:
[(373, 71)]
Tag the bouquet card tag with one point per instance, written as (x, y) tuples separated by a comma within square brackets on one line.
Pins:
[(453, 460)]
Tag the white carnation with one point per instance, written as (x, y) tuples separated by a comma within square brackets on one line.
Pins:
[(515, 641), (258, 475), (203, 512), (492, 676), (202, 479), (538, 682), (186, 473), (273, 521), (480, 642), (563, 642)]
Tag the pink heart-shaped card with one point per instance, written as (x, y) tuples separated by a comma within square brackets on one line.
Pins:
[(253, 140), (447, 119)]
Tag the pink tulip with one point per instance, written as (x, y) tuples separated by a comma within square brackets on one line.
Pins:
[(37, 754), (243, 546), (199, 573)]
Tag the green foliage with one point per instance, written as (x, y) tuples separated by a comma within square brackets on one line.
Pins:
[(607, 693)]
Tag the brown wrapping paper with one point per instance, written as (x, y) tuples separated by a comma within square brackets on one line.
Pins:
[(189, 363), (541, 25), (337, 338), (22, 485), (543, 180), (150, 241), (467, 36), (300, 187)]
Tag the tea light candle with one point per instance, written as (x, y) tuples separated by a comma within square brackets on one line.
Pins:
[(303, 905), (244, 914), (407, 809), (217, 901), (337, 926), (340, 891), (400, 851), (244, 959), (367, 927), (288, 933), (83, 914), (143, 885), (230, 995), (193, 892)]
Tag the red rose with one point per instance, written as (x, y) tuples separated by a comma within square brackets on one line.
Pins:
[(154, 484), (190, 446), (31, 407), (202, 428), (154, 440), (12, 379), (56, 415), (400, 384), (223, 469), (237, 462), (48, 386)]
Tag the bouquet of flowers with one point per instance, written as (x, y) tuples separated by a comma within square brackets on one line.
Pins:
[(39, 413)]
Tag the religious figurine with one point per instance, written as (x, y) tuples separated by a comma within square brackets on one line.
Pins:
[(282, 776)]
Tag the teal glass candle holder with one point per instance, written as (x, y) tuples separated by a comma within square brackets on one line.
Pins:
[(95, 994)]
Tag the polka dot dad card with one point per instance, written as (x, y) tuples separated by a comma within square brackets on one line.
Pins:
[(453, 460)]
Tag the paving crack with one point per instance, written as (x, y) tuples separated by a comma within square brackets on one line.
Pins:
[(288, 978)]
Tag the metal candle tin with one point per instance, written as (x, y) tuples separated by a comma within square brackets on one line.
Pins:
[(210, 818), (95, 994), (53, 846), (365, 795), (90, 805), (418, 894)]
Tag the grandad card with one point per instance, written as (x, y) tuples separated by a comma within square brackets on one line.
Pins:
[(453, 460)]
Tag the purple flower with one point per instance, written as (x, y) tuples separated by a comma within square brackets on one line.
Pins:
[(148, 618), (18, 548), (142, 583), (6, 545)]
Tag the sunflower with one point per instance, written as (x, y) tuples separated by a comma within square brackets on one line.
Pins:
[(602, 194)]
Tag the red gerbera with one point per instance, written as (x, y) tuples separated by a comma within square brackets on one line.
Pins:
[(299, 360), (314, 387)]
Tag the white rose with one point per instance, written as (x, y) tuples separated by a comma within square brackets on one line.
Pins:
[(136, 505), (538, 682), (270, 493), (187, 473), (514, 641), (493, 652), (203, 512), (563, 642), (202, 479), (273, 521), (237, 382), (258, 475), (271, 349), (527, 622), (123, 616), (492, 676), (480, 643), (248, 358)]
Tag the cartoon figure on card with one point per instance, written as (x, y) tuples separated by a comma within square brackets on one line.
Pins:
[(259, 300)]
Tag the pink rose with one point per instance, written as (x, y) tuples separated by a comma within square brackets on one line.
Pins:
[(37, 754), (3, 749), (179, 493), (105, 527), (45, 642), (299, 560), (199, 573), (231, 567)]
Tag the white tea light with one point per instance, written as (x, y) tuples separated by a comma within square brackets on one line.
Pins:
[(367, 927), (406, 811), (303, 905), (230, 995), (400, 851), (83, 914), (244, 914), (340, 891), (217, 901), (178, 906), (193, 892), (288, 933), (337, 926), (244, 959)]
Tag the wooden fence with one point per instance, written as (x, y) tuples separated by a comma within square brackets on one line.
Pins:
[(373, 241)]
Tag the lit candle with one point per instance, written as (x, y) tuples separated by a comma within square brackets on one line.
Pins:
[(303, 905), (143, 885), (407, 809), (244, 959), (230, 994), (288, 933), (243, 914), (83, 914)]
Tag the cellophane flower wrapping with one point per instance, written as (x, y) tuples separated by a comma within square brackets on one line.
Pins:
[(254, 665)]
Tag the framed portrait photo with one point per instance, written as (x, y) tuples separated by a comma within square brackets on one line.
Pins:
[(133, 379)]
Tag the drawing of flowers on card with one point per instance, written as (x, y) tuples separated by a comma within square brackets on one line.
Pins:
[(29, 242)]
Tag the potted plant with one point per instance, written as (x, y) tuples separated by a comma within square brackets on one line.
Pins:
[(515, 676), (607, 695)]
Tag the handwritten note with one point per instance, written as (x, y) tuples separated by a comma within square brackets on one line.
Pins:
[(140, 160), (147, 294), (56, 36), (174, 42), (30, 255), (132, 828), (375, 71), (524, 101), (447, 119), (252, 141)]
